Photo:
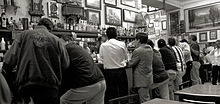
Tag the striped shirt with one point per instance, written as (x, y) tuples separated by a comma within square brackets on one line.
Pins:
[(179, 58)]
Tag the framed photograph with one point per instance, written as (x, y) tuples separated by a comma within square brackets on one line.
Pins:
[(151, 25), (74, 2), (129, 16), (95, 4), (131, 3), (113, 15), (164, 25), (213, 35), (52, 9), (111, 2), (202, 18), (93, 17), (202, 36)]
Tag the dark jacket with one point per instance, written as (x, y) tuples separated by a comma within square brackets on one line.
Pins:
[(40, 58), (159, 72), (82, 71), (168, 57), (194, 46)]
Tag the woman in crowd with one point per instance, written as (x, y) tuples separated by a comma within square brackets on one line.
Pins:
[(160, 76)]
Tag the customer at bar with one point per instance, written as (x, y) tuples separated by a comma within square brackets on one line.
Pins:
[(141, 61), (113, 55), (169, 60), (215, 54), (195, 52), (180, 63), (83, 79), (183, 44), (160, 75), (40, 58)]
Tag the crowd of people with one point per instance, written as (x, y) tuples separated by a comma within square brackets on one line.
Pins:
[(52, 70)]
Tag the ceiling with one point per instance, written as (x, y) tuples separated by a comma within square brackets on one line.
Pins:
[(169, 4)]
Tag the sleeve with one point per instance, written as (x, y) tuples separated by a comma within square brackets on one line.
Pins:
[(65, 61), (101, 53), (134, 59)]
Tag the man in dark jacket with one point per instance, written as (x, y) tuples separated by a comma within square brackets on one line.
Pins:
[(40, 59), (83, 79), (169, 60)]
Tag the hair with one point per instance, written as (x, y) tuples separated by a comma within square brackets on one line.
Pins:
[(46, 22), (111, 33), (184, 40), (143, 37), (193, 37), (161, 43), (151, 43), (171, 41)]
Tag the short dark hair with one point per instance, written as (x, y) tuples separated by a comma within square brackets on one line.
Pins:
[(46, 22), (111, 33), (161, 43), (184, 40), (143, 37), (193, 37), (151, 43), (171, 41)]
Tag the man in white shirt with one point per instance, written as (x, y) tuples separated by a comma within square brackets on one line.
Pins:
[(113, 54)]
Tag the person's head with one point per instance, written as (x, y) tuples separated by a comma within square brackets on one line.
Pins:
[(161, 43), (184, 40), (171, 42), (151, 43), (142, 37), (218, 43), (192, 38), (111, 33), (46, 22)]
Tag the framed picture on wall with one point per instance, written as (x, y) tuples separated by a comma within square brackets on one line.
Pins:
[(95, 4), (164, 25), (131, 3), (129, 16), (113, 15), (111, 2), (213, 35), (203, 17), (202, 36), (93, 17), (52, 9)]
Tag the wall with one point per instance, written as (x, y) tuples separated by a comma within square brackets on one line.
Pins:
[(24, 5)]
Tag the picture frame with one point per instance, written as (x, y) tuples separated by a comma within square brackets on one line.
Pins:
[(52, 9), (202, 36), (93, 17), (111, 2), (202, 18), (213, 35), (151, 25), (164, 25), (95, 4), (36, 8), (129, 16), (131, 3), (113, 15)]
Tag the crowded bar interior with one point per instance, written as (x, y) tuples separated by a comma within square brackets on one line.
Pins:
[(109, 51)]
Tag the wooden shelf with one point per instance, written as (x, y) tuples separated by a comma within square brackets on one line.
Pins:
[(80, 34), (126, 37)]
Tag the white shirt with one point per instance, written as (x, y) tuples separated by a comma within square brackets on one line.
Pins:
[(215, 56), (113, 54)]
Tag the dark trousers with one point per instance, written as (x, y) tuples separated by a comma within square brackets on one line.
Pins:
[(186, 76), (116, 82), (40, 95), (215, 74)]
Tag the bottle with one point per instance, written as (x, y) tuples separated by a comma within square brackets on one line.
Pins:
[(3, 19), (3, 44), (55, 24), (11, 23), (20, 25)]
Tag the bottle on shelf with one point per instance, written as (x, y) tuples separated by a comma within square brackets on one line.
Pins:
[(3, 44), (11, 23), (3, 20), (20, 25)]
